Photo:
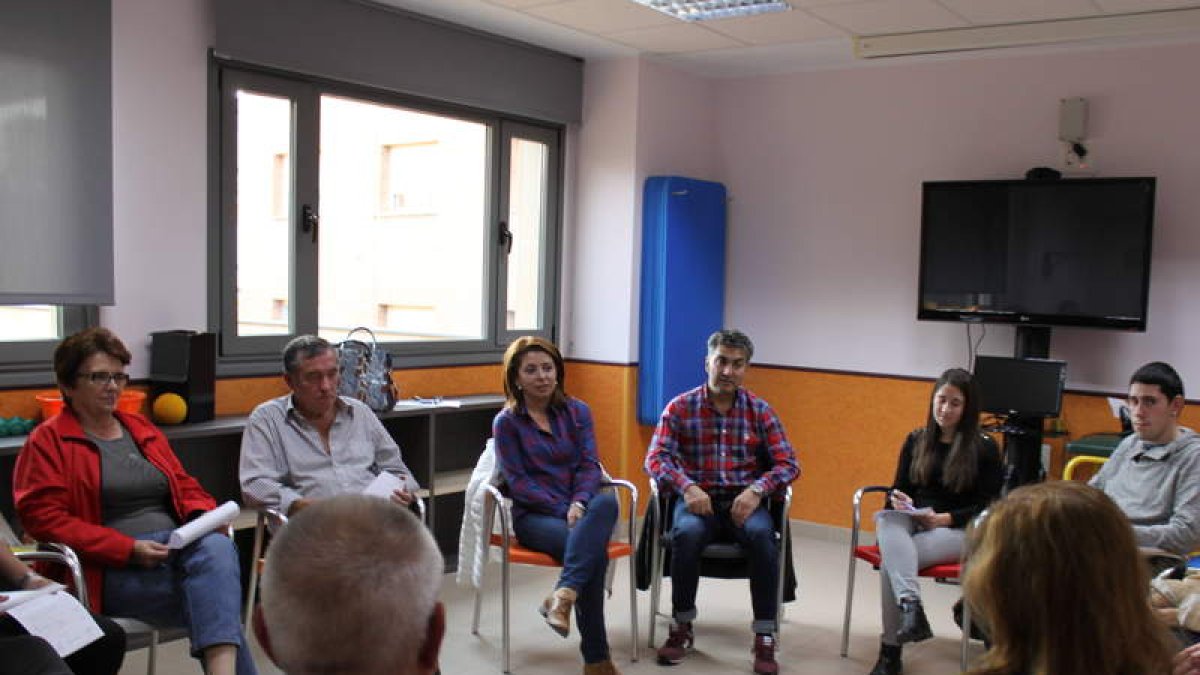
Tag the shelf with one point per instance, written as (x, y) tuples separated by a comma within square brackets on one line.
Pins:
[(447, 482)]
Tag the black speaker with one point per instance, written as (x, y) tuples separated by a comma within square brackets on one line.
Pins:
[(184, 362)]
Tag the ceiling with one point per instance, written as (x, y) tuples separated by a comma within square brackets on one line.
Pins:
[(814, 34)]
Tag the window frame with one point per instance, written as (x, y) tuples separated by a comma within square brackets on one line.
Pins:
[(548, 286), (28, 363), (253, 355)]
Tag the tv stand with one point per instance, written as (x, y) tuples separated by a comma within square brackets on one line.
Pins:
[(1023, 442), (1032, 342)]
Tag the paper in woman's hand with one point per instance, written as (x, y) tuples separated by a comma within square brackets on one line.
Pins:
[(219, 517)]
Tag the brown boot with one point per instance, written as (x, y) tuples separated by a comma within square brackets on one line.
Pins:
[(600, 668), (557, 609)]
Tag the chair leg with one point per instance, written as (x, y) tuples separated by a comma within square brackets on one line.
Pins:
[(633, 627), (504, 600), (152, 653), (783, 541), (655, 586), (255, 559), (966, 635), (849, 603), (475, 619)]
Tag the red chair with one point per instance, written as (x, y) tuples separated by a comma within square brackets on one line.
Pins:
[(942, 573), (512, 552)]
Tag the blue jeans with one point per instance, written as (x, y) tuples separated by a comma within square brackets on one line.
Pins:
[(583, 552), (690, 533), (199, 586)]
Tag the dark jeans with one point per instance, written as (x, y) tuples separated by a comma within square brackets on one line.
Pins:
[(26, 655), (583, 552), (690, 533)]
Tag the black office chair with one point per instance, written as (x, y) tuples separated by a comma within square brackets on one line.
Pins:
[(720, 559)]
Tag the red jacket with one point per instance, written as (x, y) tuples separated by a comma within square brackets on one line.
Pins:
[(56, 487)]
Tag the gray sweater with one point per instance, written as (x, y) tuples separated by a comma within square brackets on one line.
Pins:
[(1158, 488)]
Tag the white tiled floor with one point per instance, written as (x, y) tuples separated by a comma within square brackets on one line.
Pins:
[(810, 638)]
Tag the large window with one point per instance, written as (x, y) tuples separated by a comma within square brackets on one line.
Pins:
[(434, 226)]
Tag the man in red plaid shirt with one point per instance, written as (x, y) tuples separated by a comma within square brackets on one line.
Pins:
[(724, 450)]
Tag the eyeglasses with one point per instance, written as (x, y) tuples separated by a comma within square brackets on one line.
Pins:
[(101, 378)]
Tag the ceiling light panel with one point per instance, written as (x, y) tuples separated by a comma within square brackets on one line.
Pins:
[(703, 10)]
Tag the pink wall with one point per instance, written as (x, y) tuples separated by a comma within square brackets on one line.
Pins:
[(601, 226), (640, 119), (825, 168), (160, 170)]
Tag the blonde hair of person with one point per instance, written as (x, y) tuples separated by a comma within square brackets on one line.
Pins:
[(1056, 579), (349, 586)]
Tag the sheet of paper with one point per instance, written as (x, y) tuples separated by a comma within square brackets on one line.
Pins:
[(21, 597), (419, 402), (1115, 405), (213, 520), (915, 512), (59, 619), (384, 485)]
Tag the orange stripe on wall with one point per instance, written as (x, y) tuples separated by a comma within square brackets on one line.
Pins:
[(847, 428), (238, 396)]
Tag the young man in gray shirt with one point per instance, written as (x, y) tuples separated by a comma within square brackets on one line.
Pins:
[(312, 443), (1154, 474)]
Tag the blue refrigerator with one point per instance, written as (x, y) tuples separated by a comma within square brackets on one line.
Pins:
[(682, 286)]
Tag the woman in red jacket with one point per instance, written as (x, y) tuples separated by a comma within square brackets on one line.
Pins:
[(107, 484)]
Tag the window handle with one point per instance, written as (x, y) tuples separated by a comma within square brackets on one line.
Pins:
[(309, 221), (506, 237)]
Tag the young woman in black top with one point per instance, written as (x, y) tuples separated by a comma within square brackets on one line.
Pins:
[(948, 472)]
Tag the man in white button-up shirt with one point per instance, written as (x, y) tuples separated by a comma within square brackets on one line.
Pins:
[(312, 443)]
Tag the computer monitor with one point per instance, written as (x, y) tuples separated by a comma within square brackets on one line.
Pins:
[(1028, 387)]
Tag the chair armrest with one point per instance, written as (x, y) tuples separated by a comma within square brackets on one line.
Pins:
[(274, 518), (504, 506), (856, 504), (418, 506), (62, 555), (1076, 462), (621, 484)]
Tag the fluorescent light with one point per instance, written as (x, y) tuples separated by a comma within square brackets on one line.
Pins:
[(702, 10), (1023, 34)]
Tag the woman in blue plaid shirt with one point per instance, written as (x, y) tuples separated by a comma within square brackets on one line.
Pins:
[(546, 448)]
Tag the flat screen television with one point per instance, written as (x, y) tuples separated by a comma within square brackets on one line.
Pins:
[(1030, 387), (1070, 252)]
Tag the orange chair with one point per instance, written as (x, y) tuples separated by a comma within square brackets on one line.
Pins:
[(942, 573), (512, 552)]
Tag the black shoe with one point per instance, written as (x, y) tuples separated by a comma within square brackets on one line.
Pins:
[(977, 632), (914, 627), (889, 661)]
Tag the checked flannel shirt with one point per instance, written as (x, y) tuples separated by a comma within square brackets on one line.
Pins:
[(545, 472), (723, 454)]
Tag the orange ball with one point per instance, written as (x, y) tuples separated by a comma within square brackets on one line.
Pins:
[(169, 409)]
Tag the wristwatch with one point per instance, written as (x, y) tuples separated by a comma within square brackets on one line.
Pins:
[(757, 489)]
